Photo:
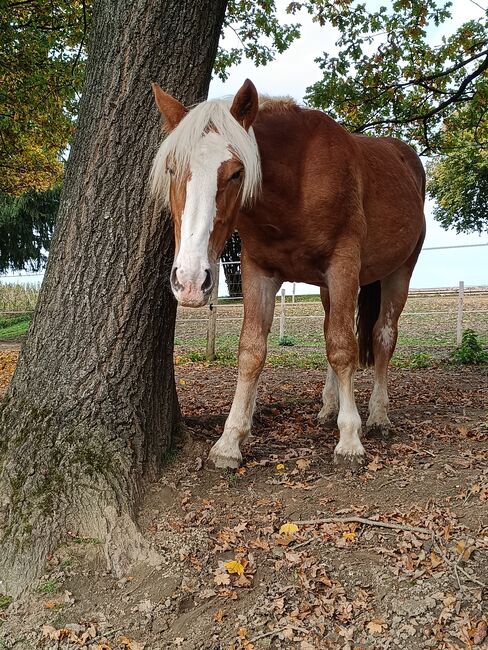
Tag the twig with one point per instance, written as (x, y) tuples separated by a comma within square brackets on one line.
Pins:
[(419, 451), (280, 629), (105, 635), (455, 565), (366, 522), (309, 541), (265, 634)]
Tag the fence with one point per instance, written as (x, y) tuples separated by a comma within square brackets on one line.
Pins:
[(433, 320)]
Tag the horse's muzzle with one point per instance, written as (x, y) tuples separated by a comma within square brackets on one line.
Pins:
[(194, 292)]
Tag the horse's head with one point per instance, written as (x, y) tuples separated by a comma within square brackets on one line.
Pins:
[(206, 168)]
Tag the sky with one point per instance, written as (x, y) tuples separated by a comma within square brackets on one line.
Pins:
[(295, 69)]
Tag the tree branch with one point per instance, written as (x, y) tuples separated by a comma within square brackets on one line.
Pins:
[(454, 98)]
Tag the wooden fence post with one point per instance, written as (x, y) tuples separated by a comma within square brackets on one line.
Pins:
[(282, 315), (212, 319), (293, 294), (459, 330)]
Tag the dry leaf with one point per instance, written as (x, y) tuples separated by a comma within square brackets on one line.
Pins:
[(288, 529), (221, 578), (302, 463), (481, 633), (234, 566), (349, 535), (375, 626), (219, 615), (280, 467), (435, 560)]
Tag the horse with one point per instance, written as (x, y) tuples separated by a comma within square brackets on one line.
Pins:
[(312, 203)]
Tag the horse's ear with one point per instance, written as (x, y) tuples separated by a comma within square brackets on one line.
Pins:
[(246, 104), (169, 107)]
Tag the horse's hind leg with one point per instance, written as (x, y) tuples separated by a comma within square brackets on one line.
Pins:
[(330, 394), (259, 302), (394, 293)]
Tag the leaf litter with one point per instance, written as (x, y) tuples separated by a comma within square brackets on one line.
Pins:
[(286, 553)]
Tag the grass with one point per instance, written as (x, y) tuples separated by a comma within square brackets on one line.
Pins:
[(14, 327), (50, 587)]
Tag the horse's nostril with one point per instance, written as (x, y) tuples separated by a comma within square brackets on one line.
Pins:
[(207, 284), (174, 279)]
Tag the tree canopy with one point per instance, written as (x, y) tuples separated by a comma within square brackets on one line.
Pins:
[(391, 75), (41, 72)]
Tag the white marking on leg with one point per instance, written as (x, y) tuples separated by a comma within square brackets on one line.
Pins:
[(349, 423), (226, 451), (378, 404), (387, 332), (330, 397)]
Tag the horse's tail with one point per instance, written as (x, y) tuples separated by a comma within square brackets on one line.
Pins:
[(368, 311)]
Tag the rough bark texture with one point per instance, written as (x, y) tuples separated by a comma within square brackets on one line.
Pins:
[(92, 407)]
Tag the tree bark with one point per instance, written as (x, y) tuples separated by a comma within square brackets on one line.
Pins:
[(92, 406)]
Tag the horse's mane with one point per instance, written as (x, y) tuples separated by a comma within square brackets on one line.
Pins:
[(179, 145), (269, 104)]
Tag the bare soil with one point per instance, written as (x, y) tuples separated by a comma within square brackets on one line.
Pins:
[(339, 584)]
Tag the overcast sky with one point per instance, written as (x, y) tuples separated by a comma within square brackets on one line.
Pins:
[(295, 69)]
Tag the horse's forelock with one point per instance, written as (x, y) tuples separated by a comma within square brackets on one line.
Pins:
[(179, 145)]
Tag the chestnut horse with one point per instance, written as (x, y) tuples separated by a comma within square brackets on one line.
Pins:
[(312, 203)]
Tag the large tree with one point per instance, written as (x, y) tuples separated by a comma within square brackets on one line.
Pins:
[(92, 406)]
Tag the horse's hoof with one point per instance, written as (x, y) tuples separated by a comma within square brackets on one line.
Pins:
[(327, 417), (379, 430), (352, 462), (217, 460)]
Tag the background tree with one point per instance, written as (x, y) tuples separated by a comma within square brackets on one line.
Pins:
[(40, 77), (231, 258), (92, 406), (390, 78), (26, 228)]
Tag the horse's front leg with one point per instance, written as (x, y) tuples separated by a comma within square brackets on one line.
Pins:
[(259, 302), (342, 354)]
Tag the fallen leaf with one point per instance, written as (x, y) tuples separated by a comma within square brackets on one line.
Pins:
[(219, 615), (375, 626), (234, 566), (435, 560), (280, 467), (221, 579), (481, 633), (349, 535), (288, 529), (302, 463)]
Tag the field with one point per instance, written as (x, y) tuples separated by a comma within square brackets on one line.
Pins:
[(427, 330), (393, 557)]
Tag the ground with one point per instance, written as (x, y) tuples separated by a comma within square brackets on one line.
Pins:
[(231, 577)]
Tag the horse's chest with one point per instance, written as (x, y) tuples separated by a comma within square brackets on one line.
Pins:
[(290, 258)]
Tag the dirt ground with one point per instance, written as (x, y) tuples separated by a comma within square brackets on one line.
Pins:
[(395, 556)]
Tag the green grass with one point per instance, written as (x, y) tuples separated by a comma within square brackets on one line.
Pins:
[(14, 327), (50, 587)]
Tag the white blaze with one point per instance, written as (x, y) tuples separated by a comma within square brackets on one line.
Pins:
[(200, 209)]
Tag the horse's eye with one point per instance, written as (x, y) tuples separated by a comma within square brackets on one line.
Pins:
[(170, 171), (236, 175)]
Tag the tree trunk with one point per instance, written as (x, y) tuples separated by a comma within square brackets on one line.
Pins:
[(92, 406)]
